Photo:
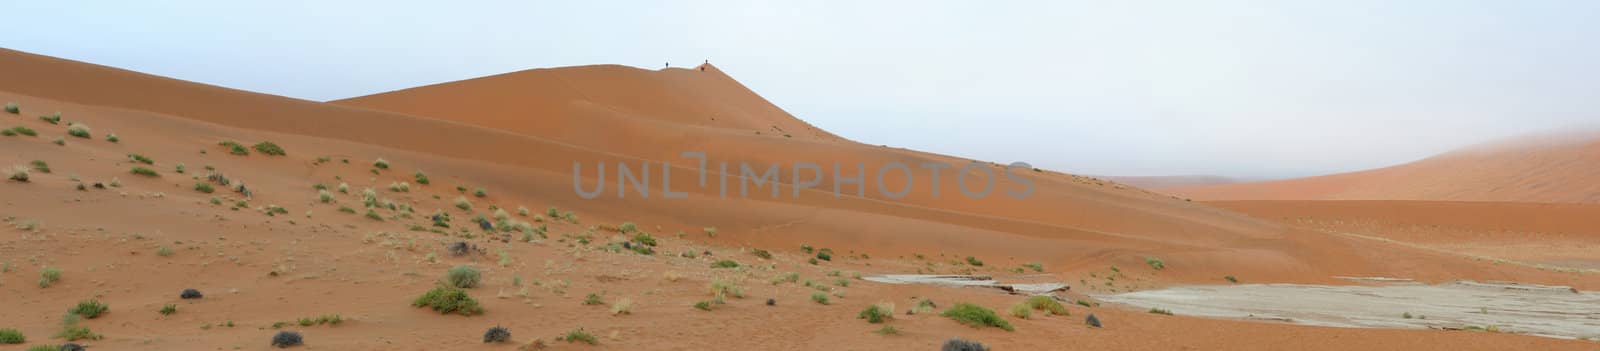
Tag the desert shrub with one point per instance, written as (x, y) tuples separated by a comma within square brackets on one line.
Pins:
[(579, 335), (1155, 263), (480, 193), (763, 254), (169, 309), (1036, 266), (644, 239), (819, 297), (622, 306), (463, 204), (89, 309), (422, 178), (721, 289), (373, 215), (710, 231), (974, 261), (703, 305), (344, 188), (180, 168), (1231, 279), (381, 163), (141, 159), (957, 344), (78, 130), (789, 277), (40, 165), (725, 264), (112, 137), (324, 196), (204, 187), (269, 148), (51, 118), (48, 347), (11, 337), (59, 142), (593, 299), (1021, 310), (877, 313), (18, 173), (188, 294), (77, 332), (496, 334), (463, 276), (144, 172), (923, 306), (976, 316), (11, 107), (1047, 304), (8, 132), (627, 227), (887, 330), (49, 275), (1161, 311), (234, 147), (24, 131), (286, 339), (448, 299), (346, 209)]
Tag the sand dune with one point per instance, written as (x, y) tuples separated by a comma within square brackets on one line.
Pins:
[(1562, 167), (143, 238), (1166, 182)]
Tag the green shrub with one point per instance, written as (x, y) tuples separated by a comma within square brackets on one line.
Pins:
[(52, 118), (373, 215), (1231, 279), (346, 209), (974, 261), (112, 137), (11, 336), (1161, 311), (1021, 310), (644, 239), (422, 178), (18, 173), (89, 309), (169, 309), (463, 204), (819, 297), (59, 142), (763, 254), (269, 148), (75, 333), (1036, 266), (1155, 263), (976, 316), (49, 275), (78, 130), (480, 193), (463, 276), (235, 147), (141, 159), (725, 264), (144, 172), (1047, 304), (11, 107), (41, 166), (204, 187), (578, 335), (593, 299), (44, 348), (24, 131), (381, 163), (877, 313), (703, 305), (448, 299), (8, 132)]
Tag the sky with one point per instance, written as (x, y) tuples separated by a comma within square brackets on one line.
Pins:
[(1245, 89)]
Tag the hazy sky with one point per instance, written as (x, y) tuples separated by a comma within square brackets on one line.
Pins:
[(1236, 88)]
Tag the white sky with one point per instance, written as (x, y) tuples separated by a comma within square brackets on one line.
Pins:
[(1248, 89)]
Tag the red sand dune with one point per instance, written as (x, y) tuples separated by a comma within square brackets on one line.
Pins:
[(1540, 168), (1167, 182), (517, 135)]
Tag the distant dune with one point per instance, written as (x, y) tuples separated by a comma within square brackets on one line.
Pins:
[(1561, 167), (1164, 182)]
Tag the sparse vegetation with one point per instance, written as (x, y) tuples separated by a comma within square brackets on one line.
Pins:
[(269, 148), (18, 173), (54, 118), (622, 306), (78, 130), (144, 172), (480, 193), (422, 178), (449, 299), (593, 299), (22, 131), (10, 336), (958, 344), (1161, 311), (703, 305), (41, 166), (48, 275), (89, 309), (1035, 266), (976, 316), (579, 335), (59, 142), (204, 187), (463, 276), (234, 147), (887, 330), (819, 297), (381, 163), (462, 203), (725, 264), (1231, 279), (12, 108), (112, 137), (877, 313), (73, 332), (373, 215), (169, 309), (974, 261), (1047, 304), (1155, 263), (1021, 310)]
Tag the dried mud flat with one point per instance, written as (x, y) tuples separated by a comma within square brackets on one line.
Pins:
[(1550, 311)]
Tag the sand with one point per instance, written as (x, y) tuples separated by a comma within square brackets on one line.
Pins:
[(516, 136)]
